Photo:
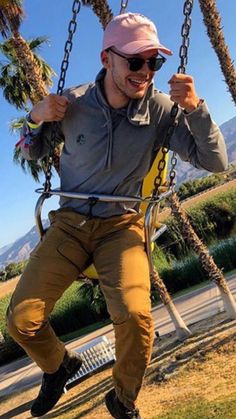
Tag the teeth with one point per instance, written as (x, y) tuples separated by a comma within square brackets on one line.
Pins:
[(137, 81)]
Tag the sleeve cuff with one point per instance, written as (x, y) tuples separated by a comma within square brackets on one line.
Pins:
[(201, 101), (31, 124)]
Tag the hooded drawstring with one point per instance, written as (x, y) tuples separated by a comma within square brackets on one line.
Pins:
[(137, 113)]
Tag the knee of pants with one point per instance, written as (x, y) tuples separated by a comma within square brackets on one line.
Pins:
[(135, 334), (137, 322), (23, 322)]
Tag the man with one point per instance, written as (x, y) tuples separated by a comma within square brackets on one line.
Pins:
[(112, 130)]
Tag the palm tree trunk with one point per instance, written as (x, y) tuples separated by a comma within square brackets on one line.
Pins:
[(32, 70), (101, 9), (212, 20), (182, 330), (207, 261)]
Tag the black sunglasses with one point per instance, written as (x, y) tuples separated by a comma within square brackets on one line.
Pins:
[(136, 63)]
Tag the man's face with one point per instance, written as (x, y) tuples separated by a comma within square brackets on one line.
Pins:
[(124, 81)]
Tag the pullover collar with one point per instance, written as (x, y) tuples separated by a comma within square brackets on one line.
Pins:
[(137, 113)]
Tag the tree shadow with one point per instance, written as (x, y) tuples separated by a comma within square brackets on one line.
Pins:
[(14, 413), (167, 359), (170, 357), (170, 342), (75, 401)]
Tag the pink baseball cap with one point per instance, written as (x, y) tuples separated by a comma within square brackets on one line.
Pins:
[(132, 33)]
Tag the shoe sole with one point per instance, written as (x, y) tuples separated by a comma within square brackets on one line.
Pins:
[(75, 369), (109, 405)]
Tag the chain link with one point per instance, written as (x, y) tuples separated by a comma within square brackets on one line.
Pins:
[(164, 150), (61, 83), (183, 54), (123, 6)]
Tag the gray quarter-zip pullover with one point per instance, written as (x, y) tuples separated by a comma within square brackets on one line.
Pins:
[(110, 151)]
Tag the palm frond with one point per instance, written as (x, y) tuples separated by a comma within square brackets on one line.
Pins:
[(16, 124), (31, 166), (15, 85), (37, 42)]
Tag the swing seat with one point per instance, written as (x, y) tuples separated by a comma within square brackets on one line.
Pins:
[(148, 205)]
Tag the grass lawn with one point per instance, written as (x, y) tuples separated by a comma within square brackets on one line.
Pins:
[(194, 379), (201, 409)]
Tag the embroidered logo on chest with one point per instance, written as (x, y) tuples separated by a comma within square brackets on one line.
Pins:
[(81, 139)]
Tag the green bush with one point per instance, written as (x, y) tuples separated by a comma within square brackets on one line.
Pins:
[(213, 219), (71, 312), (188, 272), (195, 186), (224, 253), (183, 274), (14, 269), (3, 276), (161, 258)]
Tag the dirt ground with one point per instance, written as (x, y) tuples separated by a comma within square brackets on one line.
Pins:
[(201, 369), (8, 286)]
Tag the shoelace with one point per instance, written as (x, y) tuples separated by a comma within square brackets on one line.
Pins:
[(132, 414)]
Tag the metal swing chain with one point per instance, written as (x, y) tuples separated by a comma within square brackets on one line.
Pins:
[(183, 54), (123, 6), (64, 66)]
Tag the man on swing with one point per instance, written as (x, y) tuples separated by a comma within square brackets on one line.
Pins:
[(112, 130)]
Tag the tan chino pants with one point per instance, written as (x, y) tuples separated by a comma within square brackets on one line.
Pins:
[(116, 246)]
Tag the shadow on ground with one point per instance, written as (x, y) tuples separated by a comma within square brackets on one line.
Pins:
[(169, 356), (173, 354)]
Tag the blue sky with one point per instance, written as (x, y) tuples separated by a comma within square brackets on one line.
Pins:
[(51, 18)]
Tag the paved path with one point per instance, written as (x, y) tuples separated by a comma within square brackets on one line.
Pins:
[(194, 306)]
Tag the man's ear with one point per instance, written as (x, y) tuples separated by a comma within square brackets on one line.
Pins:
[(105, 59)]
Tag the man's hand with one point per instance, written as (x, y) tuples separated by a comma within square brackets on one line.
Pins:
[(182, 91), (51, 108)]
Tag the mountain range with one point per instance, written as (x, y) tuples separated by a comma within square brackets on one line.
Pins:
[(21, 248)]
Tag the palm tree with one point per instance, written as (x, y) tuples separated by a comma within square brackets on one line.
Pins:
[(101, 10), (207, 261), (182, 330), (17, 89), (30, 72), (212, 20), (11, 15)]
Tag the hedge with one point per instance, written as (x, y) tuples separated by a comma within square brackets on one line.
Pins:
[(214, 219)]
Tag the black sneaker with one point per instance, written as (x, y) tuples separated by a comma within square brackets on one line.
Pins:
[(53, 384), (117, 409)]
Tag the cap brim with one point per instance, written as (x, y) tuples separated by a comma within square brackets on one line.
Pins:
[(137, 47)]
